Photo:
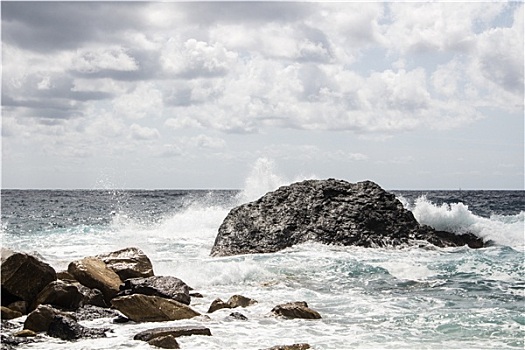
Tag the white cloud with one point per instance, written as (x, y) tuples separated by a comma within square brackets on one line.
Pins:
[(145, 100), (143, 133)]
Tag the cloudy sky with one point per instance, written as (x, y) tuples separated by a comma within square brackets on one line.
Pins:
[(192, 95)]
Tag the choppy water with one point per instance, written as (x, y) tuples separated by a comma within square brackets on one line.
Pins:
[(369, 298)]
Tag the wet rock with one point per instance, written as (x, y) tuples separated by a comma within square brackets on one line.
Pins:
[(326, 211), (238, 316), (93, 273), (128, 263), (233, 302), (145, 308), (59, 293), (173, 331), (23, 276), (65, 276), (163, 286), (25, 333), (66, 328), (298, 309), (92, 296), (40, 319), (92, 312), (8, 314), (165, 342), (218, 304)]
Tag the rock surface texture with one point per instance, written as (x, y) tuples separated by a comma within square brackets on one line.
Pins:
[(330, 212)]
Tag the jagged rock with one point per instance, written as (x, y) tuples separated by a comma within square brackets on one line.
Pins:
[(326, 211), (173, 331), (40, 319), (66, 328), (145, 308), (93, 273), (233, 302), (23, 276), (300, 346), (163, 286), (218, 304), (8, 314), (298, 309), (92, 312), (59, 293), (128, 263)]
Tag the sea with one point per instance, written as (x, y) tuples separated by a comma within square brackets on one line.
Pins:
[(414, 297)]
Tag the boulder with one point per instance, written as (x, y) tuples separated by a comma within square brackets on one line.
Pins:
[(218, 304), (40, 319), (93, 273), (146, 308), (128, 263), (9, 314), (298, 309), (149, 334), (92, 296), (326, 211), (66, 328), (163, 286), (23, 276), (59, 293)]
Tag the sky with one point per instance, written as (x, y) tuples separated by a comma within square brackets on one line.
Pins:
[(203, 95)]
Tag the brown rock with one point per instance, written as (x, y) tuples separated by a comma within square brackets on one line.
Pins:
[(23, 276), (40, 319), (93, 273), (145, 308), (165, 342), (301, 346), (298, 309), (20, 306), (8, 314), (162, 286), (128, 263), (218, 304), (25, 333), (59, 293), (65, 276), (239, 300)]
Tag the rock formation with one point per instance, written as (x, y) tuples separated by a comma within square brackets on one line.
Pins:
[(145, 308), (326, 211), (128, 263)]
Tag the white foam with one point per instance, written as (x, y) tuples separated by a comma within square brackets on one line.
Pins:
[(456, 217)]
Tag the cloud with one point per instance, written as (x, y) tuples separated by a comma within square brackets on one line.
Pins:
[(113, 58), (143, 133)]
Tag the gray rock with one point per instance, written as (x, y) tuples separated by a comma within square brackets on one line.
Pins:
[(298, 309), (299, 346), (234, 301), (66, 328), (238, 316), (128, 263), (326, 211), (165, 342), (173, 331), (163, 286)]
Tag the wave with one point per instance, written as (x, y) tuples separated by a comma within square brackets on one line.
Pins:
[(456, 217)]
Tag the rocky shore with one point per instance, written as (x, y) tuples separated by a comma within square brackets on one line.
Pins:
[(120, 285)]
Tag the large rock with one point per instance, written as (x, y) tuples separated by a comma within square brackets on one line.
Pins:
[(40, 319), (163, 286), (145, 308), (23, 276), (326, 211), (61, 294), (94, 273), (128, 263)]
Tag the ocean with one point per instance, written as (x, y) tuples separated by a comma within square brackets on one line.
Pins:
[(369, 298)]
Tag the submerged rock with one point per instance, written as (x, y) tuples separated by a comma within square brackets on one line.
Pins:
[(326, 211)]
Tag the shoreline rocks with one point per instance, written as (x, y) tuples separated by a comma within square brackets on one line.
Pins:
[(145, 308), (330, 212)]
